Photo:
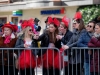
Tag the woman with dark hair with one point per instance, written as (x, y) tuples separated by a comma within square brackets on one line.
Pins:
[(48, 39), (65, 33), (95, 42), (75, 56)]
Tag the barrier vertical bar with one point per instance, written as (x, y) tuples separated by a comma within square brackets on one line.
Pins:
[(98, 63), (72, 60), (2, 61), (8, 61), (89, 62), (14, 61), (84, 60), (30, 62), (76, 60)]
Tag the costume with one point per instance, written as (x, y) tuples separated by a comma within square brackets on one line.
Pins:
[(50, 57), (8, 41), (27, 57)]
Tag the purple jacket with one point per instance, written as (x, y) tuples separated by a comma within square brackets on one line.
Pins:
[(95, 61)]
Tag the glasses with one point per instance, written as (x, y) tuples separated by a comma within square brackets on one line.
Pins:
[(89, 26), (30, 30)]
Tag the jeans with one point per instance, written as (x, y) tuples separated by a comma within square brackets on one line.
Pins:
[(86, 68)]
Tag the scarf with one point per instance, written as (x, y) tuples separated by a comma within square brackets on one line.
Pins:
[(8, 38), (97, 35)]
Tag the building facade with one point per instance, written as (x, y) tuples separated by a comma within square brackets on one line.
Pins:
[(35, 8)]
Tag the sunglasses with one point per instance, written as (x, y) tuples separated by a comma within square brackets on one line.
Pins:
[(89, 26), (74, 23), (30, 30)]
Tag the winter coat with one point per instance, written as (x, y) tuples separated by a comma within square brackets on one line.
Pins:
[(7, 55), (66, 37), (75, 54), (44, 38), (83, 42), (95, 61)]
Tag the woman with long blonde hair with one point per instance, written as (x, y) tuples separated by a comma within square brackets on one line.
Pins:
[(26, 58)]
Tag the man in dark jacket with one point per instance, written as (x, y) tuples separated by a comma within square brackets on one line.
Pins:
[(83, 42)]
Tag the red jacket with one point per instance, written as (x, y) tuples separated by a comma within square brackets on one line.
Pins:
[(95, 61)]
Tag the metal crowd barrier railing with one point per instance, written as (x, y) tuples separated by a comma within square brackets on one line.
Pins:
[(22, 61), (83, 61), (49, 61)]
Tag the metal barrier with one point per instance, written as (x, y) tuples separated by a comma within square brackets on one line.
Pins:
[(30, 61), (49, 61), (83, 61)]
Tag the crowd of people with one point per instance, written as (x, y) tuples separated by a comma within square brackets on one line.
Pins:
[(55, 35)]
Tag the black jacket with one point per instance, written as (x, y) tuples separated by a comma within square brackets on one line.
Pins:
[(20, 44), (44, 38), (66, 37)]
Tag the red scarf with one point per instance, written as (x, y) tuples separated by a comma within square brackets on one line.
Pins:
[(7, 39)]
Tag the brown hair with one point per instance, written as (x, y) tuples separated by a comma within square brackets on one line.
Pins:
[(62, 23), (98, 24), (93, 23), (81, 26), (52, 36)]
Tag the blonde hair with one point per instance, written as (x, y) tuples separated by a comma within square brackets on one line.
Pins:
[(25, 32)]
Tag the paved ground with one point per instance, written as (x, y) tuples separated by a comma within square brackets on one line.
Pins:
[(39, 71)]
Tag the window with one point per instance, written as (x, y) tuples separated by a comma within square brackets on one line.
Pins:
[(15, 20), (3, 20)]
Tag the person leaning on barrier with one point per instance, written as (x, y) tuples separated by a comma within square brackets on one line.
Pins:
[(83, 42), (48, 39), (26, 60), (74, 55), (8, 40), (95, 43), (64, 33)]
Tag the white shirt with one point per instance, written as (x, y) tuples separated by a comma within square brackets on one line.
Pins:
[(28, 43)]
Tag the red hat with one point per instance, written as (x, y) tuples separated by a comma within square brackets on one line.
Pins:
[(65, 20), (53, 20), (78, 15), (27, 23), (10, 25)]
